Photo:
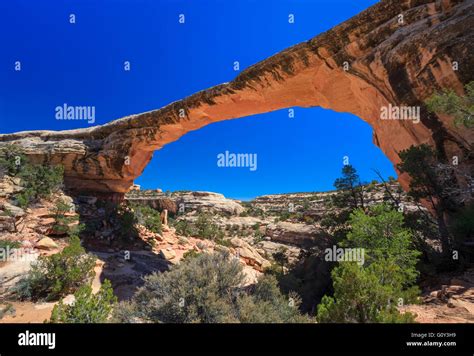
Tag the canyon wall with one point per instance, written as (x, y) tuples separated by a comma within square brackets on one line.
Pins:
[(397, 52)]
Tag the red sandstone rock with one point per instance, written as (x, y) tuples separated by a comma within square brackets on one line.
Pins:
[(389, 64)]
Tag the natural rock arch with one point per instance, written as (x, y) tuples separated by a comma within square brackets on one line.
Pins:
[(389, 63)]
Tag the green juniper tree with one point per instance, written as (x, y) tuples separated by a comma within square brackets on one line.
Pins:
[(87, 307), (372, 292)]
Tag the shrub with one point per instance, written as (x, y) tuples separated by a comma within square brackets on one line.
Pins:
[(460, 107), (190, 254), (40, 181), (87, 307), (12, 160), (266, 304), (57, 275), (184, 228), (7, 309), (207, 229), (126, 223), (148, 217), (64, 224), (207, 289)]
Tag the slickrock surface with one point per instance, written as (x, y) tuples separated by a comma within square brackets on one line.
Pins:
[(389, 63)]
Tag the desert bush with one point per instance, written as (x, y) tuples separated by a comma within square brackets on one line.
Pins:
[(87, 307), (206, 288), (125, 223), (148, 217), (184, 228), (12, 160), (39, 182), (57, 275), (207, 229), (266, 304), (65, 224)]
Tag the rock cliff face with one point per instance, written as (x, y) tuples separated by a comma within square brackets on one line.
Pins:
[(182, 202), (390, 62)]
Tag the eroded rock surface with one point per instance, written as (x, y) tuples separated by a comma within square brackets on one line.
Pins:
[(390, 63)]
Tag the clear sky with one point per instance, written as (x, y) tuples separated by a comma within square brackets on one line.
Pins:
[(83, 64)]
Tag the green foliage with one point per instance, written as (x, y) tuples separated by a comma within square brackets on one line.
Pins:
[(361, 295), (349, 196), (190, 254), (126, 223), (57, 275), (207, 229), (266, 304), (38, 181), (433, 182), (148, 217), (7, 309), (8, 245), (206, 289), (12, 159), (419, 162), (336, 223), (251, 210), (281, 258), (460, 107), (257, 236), (87, 307), (184, 228), (64, 224), (381, 232), (370, 293), (350, 189)]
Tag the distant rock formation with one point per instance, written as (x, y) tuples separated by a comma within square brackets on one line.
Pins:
[(183, 202), (394, 53)]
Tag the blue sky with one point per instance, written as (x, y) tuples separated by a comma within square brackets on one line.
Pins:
[(82, 64)]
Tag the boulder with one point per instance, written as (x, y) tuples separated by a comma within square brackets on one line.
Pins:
[(249, 254), (297, 234), (167, 254), (9, 186), (12, 210), (46, 243)]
